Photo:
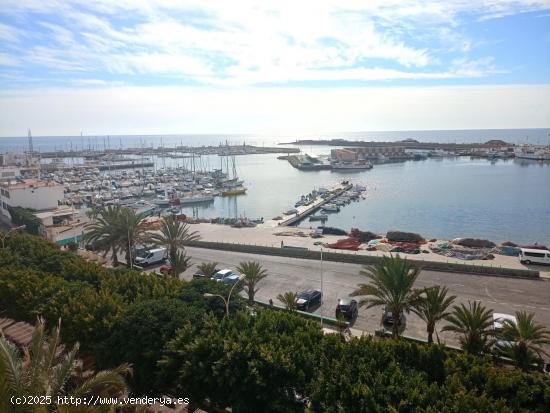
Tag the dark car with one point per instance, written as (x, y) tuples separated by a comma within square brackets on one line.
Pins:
[(199, 273), (346, 308), (388, 318), (307, 299)]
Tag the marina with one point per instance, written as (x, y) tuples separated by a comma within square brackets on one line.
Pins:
[(411, 194)]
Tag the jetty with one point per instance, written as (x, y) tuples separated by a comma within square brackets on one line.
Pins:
[(305, 211)]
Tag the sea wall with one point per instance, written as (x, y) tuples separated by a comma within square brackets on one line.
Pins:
[(365, 259)]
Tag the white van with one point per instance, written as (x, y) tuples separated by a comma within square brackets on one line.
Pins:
[(533, 256), (152, 257)]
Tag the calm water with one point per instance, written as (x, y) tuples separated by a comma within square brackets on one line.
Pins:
[(444, 198)]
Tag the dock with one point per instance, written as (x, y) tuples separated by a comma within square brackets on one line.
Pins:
[(101, 166), (176, 151), (304, 212)]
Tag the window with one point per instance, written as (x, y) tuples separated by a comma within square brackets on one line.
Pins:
[(534, 254)]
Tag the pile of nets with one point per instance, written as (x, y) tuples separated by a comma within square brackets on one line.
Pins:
[(351, 244), (462, 253)]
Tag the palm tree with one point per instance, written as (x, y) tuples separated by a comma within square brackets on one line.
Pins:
[(174, 234), (131, 228), (44, 369), (93, 212), (180, 263), (104, 232), (473, 324), (208, 269), (289, 300), (391, 285), (432, 307), (253, 274), (523, 340)]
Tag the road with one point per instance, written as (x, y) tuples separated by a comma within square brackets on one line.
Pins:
[(504, 295)]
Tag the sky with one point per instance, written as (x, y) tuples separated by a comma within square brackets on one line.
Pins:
[(184, 66)]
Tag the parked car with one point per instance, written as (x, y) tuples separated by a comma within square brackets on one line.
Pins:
[(388, 318), (499, 321), (200, 274), (166, 269), (226, 276), (346, 308), (307, 299), (153, 256)]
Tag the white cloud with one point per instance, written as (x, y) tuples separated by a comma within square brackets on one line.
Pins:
[(249, 41), (163, 110), (7, 60)]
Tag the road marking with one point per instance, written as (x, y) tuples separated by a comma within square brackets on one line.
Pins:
[(489, 294)]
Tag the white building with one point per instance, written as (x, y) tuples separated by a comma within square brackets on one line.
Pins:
[(30, 193), (62, 225), (8, 173)]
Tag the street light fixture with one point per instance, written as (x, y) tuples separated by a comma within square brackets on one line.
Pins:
[(226, 301)]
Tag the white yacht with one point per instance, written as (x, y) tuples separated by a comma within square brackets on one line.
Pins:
[(351, 165), (196, 199), (537, 153)]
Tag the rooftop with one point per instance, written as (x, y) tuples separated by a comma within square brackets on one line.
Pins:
[(30, 183)]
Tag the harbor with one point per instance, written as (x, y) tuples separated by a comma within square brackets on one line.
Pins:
[(411, 194), (321, 199)]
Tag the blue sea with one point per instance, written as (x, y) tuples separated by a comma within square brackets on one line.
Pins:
[(447, 198), (48, 143)]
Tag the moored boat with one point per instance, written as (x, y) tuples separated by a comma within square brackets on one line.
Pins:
[(318, 217), (234, 191)]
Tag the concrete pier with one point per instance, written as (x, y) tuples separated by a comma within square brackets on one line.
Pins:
[(304, 212)]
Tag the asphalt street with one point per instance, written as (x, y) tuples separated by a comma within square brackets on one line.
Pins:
[(503, 295)]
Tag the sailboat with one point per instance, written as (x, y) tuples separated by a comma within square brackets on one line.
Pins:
[(233, 186)]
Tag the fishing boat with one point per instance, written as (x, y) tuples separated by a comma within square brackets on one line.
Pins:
[(234, 191)]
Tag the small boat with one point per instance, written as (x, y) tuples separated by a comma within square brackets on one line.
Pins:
[(330, 208), (234, 191), (162, 202), (318, 217), (291, 211)]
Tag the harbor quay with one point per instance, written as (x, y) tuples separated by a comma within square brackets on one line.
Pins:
[(270, 235)]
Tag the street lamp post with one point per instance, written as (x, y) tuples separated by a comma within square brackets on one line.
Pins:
[(130, 251), (322, 293), (226, 301)]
